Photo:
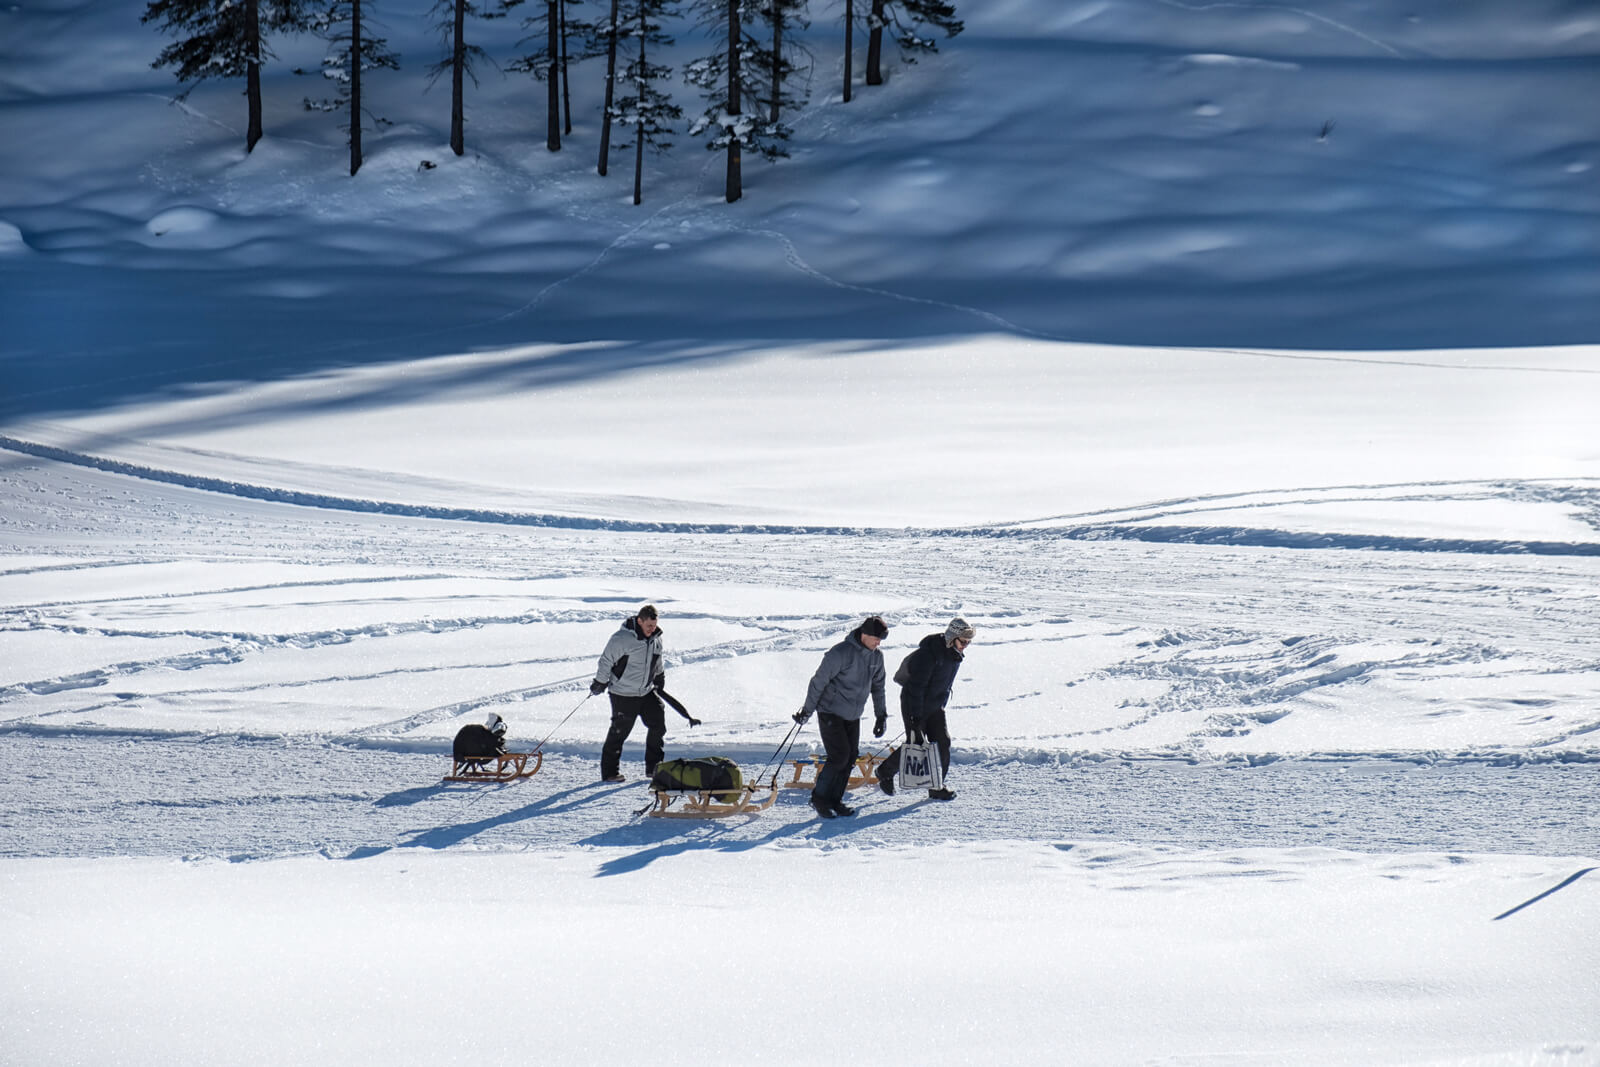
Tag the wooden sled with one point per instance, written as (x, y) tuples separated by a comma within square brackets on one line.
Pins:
[(508, 767), (704, 803), (866, 772)]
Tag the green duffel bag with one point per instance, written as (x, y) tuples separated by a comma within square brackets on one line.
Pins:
[(702, 774)]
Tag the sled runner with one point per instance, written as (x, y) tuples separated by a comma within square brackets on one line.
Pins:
[(711, 803), (508, 767), (866, 772)]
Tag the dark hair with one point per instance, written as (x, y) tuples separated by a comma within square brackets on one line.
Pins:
[(874, 627), (647, 612)]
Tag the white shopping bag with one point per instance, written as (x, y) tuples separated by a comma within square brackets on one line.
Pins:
[(919, 766)]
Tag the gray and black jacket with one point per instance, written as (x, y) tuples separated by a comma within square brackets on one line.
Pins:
[(632, 664), (848, 674)]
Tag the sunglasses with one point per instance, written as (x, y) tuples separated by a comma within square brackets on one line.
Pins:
[(963, 642)]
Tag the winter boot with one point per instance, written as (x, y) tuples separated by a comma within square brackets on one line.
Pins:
[(940, 794), (821, 808), (842, 808)]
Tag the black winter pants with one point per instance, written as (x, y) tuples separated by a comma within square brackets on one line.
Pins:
[(841, 740), (933, 729), (625, 711)]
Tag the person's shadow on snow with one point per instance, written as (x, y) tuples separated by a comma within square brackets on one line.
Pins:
[(661, 838), (442, 837)]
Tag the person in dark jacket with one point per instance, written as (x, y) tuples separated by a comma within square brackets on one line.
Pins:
[(931, 674), (633, 669), (850, 672)]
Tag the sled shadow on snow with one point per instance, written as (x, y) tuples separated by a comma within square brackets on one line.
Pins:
[(411, 796), (421, 793), (661, 838)]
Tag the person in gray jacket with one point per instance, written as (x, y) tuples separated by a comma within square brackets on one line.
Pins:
[(633, 668), (850, 672)]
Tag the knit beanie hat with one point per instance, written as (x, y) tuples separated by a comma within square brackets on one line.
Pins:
[(874, 627), (958, 630)]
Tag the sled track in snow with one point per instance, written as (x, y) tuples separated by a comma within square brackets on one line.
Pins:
[(1236, 536), (247, 799)]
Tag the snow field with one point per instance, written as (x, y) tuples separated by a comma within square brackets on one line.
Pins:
[(1106, 954), (1233, 366)]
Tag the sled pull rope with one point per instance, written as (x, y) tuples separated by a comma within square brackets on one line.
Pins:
[(562, 723), (888, 747), (776, 759)]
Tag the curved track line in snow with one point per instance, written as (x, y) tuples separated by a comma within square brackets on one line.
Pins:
[(617, 242), (725, 650), (1312, 15), (1566, 491), (1315, 357), (1204, 535), (963, 755), (798, 262)]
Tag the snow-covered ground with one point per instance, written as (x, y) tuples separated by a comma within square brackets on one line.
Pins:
[(1280, 739)]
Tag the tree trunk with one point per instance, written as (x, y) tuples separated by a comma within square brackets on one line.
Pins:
[(566, 86), (777, 57), (735, 184), (611, 83), (252, 73), (638, 138), (875, 45), (849, 44), (552, 138), (355, 87), (458, 70)]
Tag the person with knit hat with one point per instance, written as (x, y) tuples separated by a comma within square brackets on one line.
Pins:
[(850, 672), (633, 667), (930, 674)]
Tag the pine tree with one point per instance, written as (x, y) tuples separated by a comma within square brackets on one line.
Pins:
[(354, 52), (608, 35), (545, 63), (913, 22), (461, 57), (225, 40), (566, 84), (648, 111), (553, 32), (724, 118), (732, 120), (849, 45), (785, 59)]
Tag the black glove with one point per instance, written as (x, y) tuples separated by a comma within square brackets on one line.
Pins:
[(801, 716), (596, 687), (660, 681), (693, 721), (879, 725)]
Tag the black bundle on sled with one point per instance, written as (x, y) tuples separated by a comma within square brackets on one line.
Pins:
[(703, 774), (480, 755), (477, 745)]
